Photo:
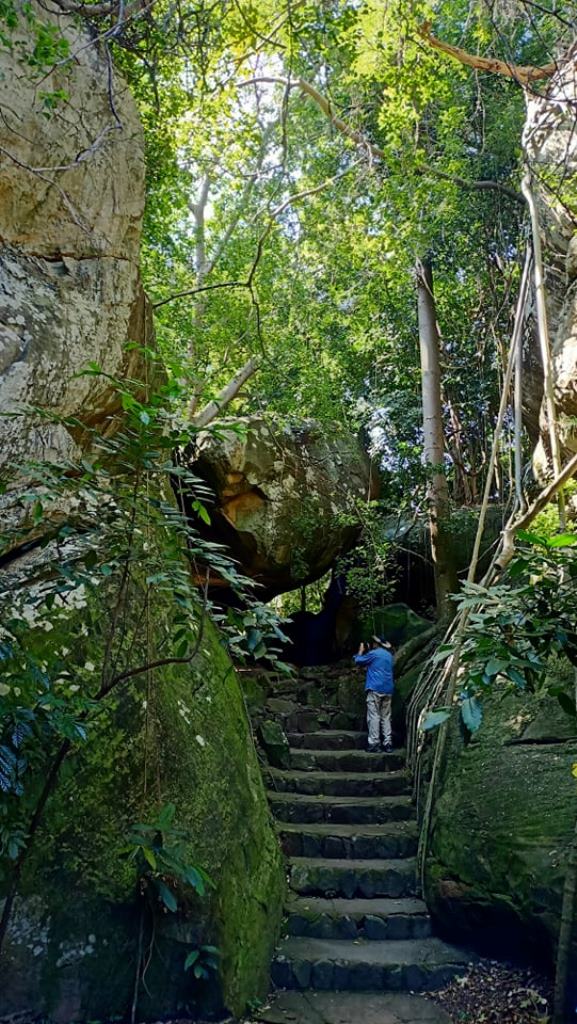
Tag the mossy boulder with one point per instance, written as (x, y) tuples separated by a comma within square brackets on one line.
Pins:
[(396, 623), (179, 734), (503, 826), (285, 496), (275, 743)]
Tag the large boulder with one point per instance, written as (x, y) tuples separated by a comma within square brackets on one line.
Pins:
[(551, 147), (70, 294), (179, 735), (70, 290), (503, 825), (284, 497)]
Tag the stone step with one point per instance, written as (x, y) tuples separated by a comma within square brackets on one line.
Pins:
[(364, 878), (329, 739), (305, 719), (344, 810), (304, 759), (339, 783), (376, 919), (350, 1008), (396, 839), (414, 965)]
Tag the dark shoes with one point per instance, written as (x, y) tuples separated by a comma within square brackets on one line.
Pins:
[(373, 750), (387, 748)]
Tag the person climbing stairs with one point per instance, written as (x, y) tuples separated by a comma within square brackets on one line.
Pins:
[(348, 827)]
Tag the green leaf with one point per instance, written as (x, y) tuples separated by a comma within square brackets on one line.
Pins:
[(166, 895), (195, 879), (567, 703), (191, 959), (471, 713), (532, 538), (166, 816), (433, 719), (494, 666), (149, 856), (562, 540), (202, 512), (516, 676)]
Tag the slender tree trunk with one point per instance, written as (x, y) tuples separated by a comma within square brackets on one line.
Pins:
[(434, 439), (544, 340)]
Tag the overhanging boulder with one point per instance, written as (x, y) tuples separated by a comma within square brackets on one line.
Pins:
[(285, 496)]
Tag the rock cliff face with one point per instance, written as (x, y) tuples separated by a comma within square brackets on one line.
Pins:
[(503, 826), (285, 498), (71, 203), (551, 147), (182, 738)]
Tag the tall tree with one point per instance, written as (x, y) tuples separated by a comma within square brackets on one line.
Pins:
[(434, 439)]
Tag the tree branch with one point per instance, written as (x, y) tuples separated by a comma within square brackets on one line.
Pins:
[(538, 505), (373, 150), (524, 74), (224, 397)]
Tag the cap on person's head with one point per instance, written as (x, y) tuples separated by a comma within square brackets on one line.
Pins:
[(381, 643)]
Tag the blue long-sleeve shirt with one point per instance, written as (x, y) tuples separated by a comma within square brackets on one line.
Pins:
[(379, 664)]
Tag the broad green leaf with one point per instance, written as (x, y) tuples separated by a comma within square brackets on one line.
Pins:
[(166, 895), (191, 959), (149, 856), (433, 719), (471, 713), (562, 540)]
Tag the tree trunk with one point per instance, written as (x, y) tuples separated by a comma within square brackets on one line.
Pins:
[(434, 438)]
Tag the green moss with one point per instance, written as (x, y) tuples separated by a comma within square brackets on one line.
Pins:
[(181, 736), (394, 622), (504, 822)]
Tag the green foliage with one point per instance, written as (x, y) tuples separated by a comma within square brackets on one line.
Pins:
[(52, 686), (158, 850), (515, 625), (202, 961), (369, 569)]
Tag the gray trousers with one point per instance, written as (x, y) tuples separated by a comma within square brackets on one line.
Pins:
[(378, 718)]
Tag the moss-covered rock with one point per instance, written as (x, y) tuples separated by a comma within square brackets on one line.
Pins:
[(285, 496), (502, 827), (396, 623), (179, 734)]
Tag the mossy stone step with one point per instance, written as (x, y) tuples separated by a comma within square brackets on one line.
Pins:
[(365, 878), (328, 739), (414, 965), (304, 759), (376, 919), (341, 809), (339, 783), (351, 1008), (310, 720), (390, 840)]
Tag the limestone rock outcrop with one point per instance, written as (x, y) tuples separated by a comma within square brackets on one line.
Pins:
[(285, 497)]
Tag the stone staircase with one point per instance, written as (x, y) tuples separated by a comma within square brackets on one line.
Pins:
[(348, 828)]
